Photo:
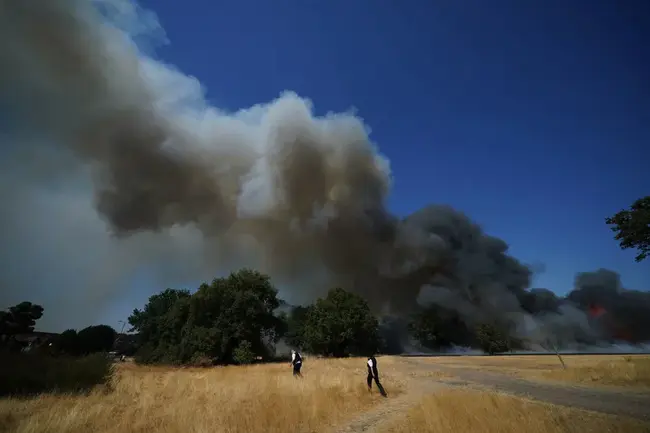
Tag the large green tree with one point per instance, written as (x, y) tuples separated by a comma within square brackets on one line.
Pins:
[(159, 325), (493, 338), (19, 319), (340, 324), (436, 327), (68, 343), (232, 315), (296, 321), (632, 227), (97, 338)]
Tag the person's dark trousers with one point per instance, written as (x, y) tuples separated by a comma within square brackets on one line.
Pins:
[(296, 370), (379, 386)]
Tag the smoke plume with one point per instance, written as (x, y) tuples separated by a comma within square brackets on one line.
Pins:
[(114, 162)]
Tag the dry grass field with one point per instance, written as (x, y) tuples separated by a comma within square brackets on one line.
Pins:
[(462, 411), (631, 371), (331, 396), (259, 398)]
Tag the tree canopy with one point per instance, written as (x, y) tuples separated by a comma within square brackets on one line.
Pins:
[(229, 318), (436, 327), (493, 338), (632, 227), (19, 319), (296, 322), (92, 339), (97, 338), (341, 324)]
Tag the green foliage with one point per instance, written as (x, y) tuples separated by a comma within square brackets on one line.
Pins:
[(493, 338), (98, 338), (19, 319), (436, 327), (296, 322), (93, 339), (26, 374), (632, 227), (68, 343), (159, 326), (243, 354), (341, 324), (178, 328)]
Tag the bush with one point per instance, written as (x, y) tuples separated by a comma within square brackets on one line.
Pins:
[(493, 339), (244, 354), (27, 374)]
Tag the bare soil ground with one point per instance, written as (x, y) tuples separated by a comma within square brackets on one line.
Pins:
[(425, 376)]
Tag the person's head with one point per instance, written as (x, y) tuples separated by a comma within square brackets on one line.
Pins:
[(293, 352)]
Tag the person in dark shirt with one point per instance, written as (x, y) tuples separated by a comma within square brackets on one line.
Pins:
[(296, 361), (373, 374)]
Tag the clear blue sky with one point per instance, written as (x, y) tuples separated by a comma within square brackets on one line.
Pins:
[(533, 117)]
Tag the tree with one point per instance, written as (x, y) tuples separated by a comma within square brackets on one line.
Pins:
[(20, 319), (296, 321), (492, 338), (632, 227), (436, 327), (243, 354), (68, 343), (98, 338), (231, 310), (159, 325), (341, 324), (176, 327)]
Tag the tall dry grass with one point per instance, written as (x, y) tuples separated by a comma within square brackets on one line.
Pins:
[(461, 411), (608, 370), (629, 371), (260, 398)]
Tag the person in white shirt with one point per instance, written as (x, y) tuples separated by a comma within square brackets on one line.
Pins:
[(373, 374), (296, 361)]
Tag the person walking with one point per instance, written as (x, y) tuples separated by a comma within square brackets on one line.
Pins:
[(296, 361), (373, 374)]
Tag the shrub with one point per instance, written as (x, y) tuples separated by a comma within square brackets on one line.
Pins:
[(26, 374), (492, 339), (244, 354)]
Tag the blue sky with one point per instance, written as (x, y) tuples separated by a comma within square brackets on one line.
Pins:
[(533, 117)]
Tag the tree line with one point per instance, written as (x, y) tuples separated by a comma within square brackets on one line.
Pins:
[(239, 319), (20, 320)]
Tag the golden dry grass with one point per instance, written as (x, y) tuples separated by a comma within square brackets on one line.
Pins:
[(630, 371), (260, 398), (462, 411), (598, 370)]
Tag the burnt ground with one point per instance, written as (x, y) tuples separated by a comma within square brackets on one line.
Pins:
[(423, 381)]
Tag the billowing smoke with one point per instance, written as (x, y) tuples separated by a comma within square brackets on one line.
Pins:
[(114, 163), (618, 314)]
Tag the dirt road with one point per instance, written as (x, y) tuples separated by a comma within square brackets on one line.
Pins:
[(616, 402), (422, 381)]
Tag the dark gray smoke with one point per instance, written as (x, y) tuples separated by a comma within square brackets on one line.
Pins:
[(114, 162), (619, 314)]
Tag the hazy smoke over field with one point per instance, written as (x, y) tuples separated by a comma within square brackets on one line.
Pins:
[(114, 162)]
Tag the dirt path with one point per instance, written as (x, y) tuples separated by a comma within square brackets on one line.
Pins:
[(392, 406), (615, 402), (421, 382)]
